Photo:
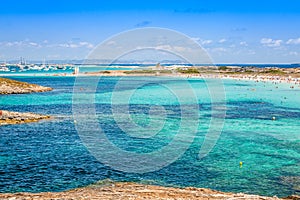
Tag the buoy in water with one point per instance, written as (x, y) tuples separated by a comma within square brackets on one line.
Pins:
[(241, 164)]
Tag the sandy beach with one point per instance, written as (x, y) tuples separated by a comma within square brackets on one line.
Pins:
[(275, 75)]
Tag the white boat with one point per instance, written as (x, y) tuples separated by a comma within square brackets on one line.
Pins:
[(4, 69)]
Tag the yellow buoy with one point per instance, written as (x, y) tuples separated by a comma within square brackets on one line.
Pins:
[(241, 164)]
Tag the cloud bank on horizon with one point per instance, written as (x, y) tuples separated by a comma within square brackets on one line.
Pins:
[(231, 31)]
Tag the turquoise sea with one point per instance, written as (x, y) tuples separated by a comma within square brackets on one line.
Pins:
[(16, 71), (51, 155)]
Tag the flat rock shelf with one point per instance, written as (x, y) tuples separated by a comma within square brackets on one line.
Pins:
[(8, 86), (127, 190), (7, 117)]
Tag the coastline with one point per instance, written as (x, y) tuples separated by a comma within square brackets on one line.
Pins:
[(128, 190), (268, 74), (9, 118), (138, 191), (9, 86), (262, 76)]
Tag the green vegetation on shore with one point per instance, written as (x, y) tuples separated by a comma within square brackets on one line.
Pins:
[(274, 71), (294, 72), (190, 70)]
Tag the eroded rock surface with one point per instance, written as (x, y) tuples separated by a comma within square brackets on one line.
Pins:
[(8, 86), (126, 191), (7, 117)]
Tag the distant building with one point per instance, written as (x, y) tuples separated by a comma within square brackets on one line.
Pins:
[(159, 67), (76, 70)]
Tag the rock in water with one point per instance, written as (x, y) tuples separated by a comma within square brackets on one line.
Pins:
[(7, 117), (8, 86)]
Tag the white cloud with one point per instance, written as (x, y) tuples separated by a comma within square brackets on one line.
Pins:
[(172, 48), (86, 44), (74, 45), (201, 41), (64, 45), (219, 50), (24, 43), (34, 44), (196, 39), (8, 44), (111, 43), (268, 42), (293, 41), (205, 42), (222, 40), (244, 44), (180, 48), (293, 53), (14, 44), (163, 47)]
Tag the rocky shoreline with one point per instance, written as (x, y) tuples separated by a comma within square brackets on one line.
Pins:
[(7, 117), (8, 86), (127, 190)]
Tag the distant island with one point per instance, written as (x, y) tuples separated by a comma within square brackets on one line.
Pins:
[(273, 74)]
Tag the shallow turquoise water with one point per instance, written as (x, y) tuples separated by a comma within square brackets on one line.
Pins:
[(67, 70), (87, 68), (50, 155)]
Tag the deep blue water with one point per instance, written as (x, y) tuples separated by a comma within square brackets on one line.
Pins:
[(50, 155)]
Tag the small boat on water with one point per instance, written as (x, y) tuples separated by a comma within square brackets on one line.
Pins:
[(4, 69)]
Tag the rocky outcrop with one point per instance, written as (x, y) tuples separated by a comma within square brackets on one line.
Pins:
[(8, 86), (134, 191), (7, 117)]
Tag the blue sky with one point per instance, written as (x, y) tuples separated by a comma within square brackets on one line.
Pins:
[(231, 31)]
